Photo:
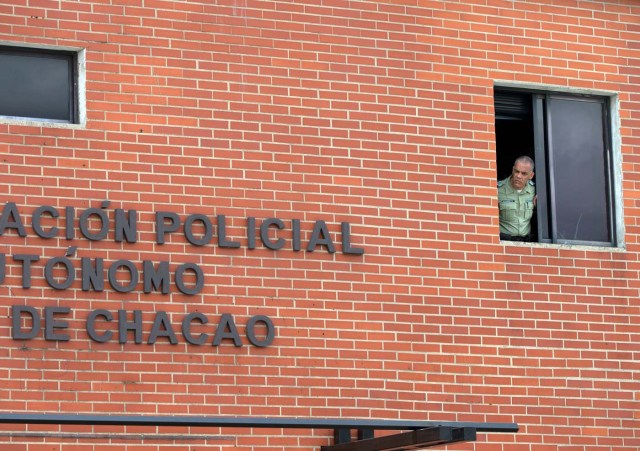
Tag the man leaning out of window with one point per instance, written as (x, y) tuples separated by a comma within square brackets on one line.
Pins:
[(517, 201)]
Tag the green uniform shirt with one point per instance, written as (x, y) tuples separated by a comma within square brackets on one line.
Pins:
[(516, 208)]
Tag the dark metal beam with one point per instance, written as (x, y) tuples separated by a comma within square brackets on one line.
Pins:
[(341, 435), (365, 433), (421, 438), (272, 422)]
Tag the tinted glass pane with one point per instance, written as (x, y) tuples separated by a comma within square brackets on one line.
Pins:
[(580, 170), (35, 85)]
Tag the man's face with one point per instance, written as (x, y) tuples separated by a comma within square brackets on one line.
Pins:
[(520, 175)]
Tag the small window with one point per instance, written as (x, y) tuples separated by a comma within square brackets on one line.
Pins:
[(38, 84), (568, 137)]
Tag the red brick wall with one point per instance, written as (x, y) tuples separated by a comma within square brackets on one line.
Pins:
[(375, 113)]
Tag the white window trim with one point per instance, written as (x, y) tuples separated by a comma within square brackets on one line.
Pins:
[(81, 69), (616, 150)]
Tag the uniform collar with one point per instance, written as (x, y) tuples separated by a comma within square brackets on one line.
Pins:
[(526, 189)]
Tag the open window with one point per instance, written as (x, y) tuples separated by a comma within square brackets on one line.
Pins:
[(569, 138)]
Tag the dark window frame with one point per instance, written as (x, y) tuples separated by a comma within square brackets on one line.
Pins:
[(72, 87), (512, 104)]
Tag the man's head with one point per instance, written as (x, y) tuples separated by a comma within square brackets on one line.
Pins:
[(522, 172)]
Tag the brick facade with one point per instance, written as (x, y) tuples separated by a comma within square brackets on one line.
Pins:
[(374, 113)]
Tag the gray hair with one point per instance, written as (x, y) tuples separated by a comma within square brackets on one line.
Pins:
[(526, 160)]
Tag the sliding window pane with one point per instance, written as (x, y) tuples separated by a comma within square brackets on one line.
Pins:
[(36, 84), (580, 180)]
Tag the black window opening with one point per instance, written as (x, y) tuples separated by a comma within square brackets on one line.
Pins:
[(38, 84), (569, 138)]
